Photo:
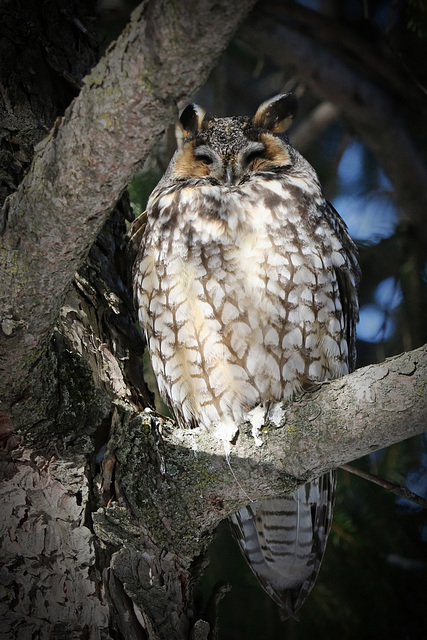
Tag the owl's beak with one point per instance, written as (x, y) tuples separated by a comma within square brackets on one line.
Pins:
[(230, 176)]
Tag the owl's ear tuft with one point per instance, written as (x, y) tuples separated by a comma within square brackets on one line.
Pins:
[(276, 115), (190, 121), (192, 117)]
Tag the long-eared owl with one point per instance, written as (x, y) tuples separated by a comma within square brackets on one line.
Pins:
[(245, 284)]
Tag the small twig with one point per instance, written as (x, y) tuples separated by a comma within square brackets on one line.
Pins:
[(397, 489)]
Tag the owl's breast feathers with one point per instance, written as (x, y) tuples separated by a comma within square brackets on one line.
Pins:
[(238, 292)]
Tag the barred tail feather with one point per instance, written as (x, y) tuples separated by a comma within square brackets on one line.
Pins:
[(284, 540)]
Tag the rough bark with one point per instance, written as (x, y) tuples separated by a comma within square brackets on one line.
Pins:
[(49, 584)]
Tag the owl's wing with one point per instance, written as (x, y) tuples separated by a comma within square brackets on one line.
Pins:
[(348, 277), (135, 236), (284, 540)]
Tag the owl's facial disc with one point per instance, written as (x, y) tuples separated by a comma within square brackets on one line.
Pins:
[(235, 161)]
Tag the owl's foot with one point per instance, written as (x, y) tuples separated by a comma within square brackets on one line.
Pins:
[(256, 417), (227, 431)]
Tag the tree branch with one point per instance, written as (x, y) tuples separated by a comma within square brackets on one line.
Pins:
[(82, 167), (397, 489), (326, 427)]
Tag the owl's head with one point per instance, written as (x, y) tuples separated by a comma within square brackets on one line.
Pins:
[(227, 151)]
